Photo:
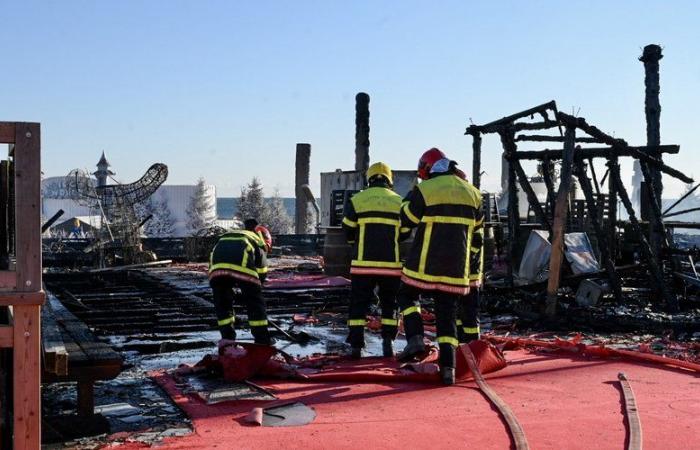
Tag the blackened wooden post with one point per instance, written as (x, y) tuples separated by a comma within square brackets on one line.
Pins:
[(362, 135), (612, 209), (559, 226), (655, 269), (476, 159), (592, 206), (652, 109), (301, 211), (509, 147), (531, 196), (549, 183), (4, 205)]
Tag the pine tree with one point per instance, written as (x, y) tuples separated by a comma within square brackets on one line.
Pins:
[(200, 210), (252, 202), (143, 210), (275, 215), (165, 225)]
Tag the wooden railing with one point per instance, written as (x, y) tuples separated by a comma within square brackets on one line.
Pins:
[(21, 288)]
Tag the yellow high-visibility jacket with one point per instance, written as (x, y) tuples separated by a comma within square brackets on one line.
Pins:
[(239, 254), (476, 257), (446, 209), (372, 223)]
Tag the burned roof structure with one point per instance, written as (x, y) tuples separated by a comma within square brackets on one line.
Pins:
[(582, 143)]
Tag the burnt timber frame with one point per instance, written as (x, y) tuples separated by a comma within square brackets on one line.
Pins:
[(573, 157), (21, 289)]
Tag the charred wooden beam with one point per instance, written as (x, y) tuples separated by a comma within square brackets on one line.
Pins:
[(652, 110), (540, 138), (592, 206), (362, 134), (685, 211), (654, 268), (301, 202), (558, 228), (612, 209), (683, 197), (476, 159), (548, 182), (510, 149), (595, 178), (551, 105), (593, 152), (530, 193), (621, 145)]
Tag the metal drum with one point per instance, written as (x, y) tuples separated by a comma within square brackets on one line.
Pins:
[(337, 253)]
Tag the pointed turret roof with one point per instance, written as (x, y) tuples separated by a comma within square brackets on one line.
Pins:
[(103, 161)]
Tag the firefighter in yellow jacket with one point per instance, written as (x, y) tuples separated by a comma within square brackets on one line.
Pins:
[(239, 260), (468, 327), (372, 224), (446, 210)]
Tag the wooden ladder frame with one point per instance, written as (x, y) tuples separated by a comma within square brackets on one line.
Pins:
[(21, 288)]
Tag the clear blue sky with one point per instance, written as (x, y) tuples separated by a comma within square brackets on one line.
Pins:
[(225, 89)]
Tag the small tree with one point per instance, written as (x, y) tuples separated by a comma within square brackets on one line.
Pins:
[(165, 224), (201, 209), (252, 202), (275, 215)]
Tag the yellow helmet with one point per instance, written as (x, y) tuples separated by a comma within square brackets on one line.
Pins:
[(380, 169)]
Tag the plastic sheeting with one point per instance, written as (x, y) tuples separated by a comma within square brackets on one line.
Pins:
[(579, 253), (534, 264)]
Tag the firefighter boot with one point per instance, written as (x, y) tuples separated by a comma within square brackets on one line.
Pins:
[(415, 348), (387, 348), (447, 374)]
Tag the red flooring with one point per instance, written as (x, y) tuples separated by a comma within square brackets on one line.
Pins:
[(562, 403)]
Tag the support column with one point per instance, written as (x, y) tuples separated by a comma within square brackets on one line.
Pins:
[(476, 159), (652, 110), (592, 204), (559, 225), (301, 210), (509, 148), (362, 135)]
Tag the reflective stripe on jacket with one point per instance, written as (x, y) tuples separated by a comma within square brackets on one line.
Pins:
[(241, 255), (476, 257), (446, 209), (372, 223)]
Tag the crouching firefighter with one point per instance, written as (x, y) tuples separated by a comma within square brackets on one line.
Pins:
[(239, 260), (446, 209), (372, 225)]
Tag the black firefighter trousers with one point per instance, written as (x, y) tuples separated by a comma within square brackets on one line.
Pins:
[(251, 296), (446, 311), (363, 287)]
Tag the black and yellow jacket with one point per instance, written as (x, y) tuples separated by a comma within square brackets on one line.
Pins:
[(476, 257), (446, 209), (241, 255), (372, 223)]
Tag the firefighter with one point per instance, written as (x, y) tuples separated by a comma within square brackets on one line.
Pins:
[(446, 209), (468, 327), (372, 224), (239, 260)]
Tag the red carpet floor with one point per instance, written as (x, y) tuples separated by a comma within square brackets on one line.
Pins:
[(562, 403)]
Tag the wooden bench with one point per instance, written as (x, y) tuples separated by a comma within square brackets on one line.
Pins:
[(71, 352)]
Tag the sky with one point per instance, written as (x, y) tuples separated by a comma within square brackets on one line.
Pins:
[(225, 89)]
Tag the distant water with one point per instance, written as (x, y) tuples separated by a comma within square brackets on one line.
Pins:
[(227, 207)]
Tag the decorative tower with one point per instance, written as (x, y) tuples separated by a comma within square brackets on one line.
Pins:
[(102, 171)]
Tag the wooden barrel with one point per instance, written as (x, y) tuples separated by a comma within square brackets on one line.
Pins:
[(337, 253)]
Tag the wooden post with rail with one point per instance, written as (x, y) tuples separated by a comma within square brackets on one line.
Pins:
[(559, 225), (21, 286)]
